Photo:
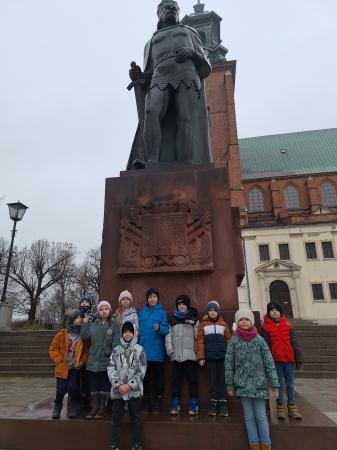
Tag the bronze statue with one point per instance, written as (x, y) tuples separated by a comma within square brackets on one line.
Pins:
[(171, 103)]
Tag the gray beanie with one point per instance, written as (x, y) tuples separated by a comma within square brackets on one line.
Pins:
[(244, 314)]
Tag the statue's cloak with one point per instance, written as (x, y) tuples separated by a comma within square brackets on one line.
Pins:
[(168, 152)]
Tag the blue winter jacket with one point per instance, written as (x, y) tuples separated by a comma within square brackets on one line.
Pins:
[(152, 341)]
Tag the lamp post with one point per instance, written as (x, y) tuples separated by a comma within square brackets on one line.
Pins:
[(16, 213)]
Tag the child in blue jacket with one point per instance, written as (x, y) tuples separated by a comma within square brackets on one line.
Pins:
[(153, 327)]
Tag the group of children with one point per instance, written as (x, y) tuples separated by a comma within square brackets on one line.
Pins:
[(123, 354)]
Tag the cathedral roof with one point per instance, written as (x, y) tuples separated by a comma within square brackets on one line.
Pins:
[(301, 153)]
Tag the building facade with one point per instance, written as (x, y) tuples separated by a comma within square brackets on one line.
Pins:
[(290, 236)]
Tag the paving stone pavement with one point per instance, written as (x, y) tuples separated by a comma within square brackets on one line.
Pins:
[(16, 393)]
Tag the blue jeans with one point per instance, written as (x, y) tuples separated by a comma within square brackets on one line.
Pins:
[(71, 385), (254, 410), (285, 373)]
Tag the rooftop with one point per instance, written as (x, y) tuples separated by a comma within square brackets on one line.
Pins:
[(304, 152)]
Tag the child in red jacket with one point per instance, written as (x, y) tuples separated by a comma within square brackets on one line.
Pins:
[(282, 341)]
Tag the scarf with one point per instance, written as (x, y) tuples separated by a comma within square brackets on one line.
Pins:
[(181, 315), (246, 335), (74, 329)]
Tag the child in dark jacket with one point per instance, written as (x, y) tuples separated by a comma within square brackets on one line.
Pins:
[(69, 353), (153, 327), (181, 348), (87, 307), (104, 335), (126, 373), (212, 340), (282, 341)]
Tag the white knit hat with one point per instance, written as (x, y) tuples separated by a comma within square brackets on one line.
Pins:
[(244, 314), (103, 303), (125, 294)]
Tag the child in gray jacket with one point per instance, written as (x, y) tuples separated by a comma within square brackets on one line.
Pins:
[(126, 373), (180, 346)]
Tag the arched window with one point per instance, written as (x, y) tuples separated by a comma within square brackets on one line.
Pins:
[(291, 198), (328, 194), (256, 202)]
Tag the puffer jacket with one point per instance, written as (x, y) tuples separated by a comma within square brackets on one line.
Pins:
[(104, 337), (127, 366), (180, 342), (212, 339), (152, 341), (249, 368), (282, 340), (58, 352)]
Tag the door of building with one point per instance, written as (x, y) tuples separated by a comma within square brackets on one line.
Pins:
[(279, 293)]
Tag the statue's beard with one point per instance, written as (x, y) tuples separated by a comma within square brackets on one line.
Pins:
[(169, 19)]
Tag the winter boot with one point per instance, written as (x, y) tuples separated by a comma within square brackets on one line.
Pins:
[(137, 446), (113, 447), (157, 404), (56, 414), (175, 406), (103, 398), (281, 412), (223, 411), (212, 407), (74, 410), (254, 446), (293, 412), (193, 409), (95, 397), (265, 446)]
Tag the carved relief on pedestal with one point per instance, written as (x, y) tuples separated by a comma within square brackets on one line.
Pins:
[(165, 237)]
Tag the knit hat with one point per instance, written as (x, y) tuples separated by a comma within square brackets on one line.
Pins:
[(273, 305), (128, 326), (244, 314), (89, 298), (213, 304), (183, 299), (103, 303), (125, 294), (151, 291)]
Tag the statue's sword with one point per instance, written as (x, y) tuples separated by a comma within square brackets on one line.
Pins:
[(138, 86)]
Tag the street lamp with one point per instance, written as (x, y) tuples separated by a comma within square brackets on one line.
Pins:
[(16, 213)]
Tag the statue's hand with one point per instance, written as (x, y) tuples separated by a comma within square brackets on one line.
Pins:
[(184, 53), (135, 73)]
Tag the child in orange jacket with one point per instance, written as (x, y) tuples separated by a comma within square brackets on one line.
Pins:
[(213, 336), (69, 353)]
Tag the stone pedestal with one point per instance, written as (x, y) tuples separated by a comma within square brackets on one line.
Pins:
[(172, 227), (6, 312)]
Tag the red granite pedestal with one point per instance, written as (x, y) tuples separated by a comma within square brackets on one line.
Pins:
[(172, 227)]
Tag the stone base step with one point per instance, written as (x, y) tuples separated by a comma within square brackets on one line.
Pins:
[(317, 374), (26, 374)]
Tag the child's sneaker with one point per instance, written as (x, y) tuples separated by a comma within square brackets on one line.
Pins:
[(137, 447), (193, 409), (175, 406), (212, 408), (223, 411)]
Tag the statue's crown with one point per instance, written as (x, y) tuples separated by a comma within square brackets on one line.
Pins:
[(164, 3)]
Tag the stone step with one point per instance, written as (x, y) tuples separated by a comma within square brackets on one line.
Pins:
[(314, 366), (317, 358), (15, 361), (27, 367), (21, 341), (309, 352), (320, 333), (317, 374), (26, 374), (23, 355), (24, 348), (317, 344)]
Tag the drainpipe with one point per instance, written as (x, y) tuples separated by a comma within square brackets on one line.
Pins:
[(246, 269)]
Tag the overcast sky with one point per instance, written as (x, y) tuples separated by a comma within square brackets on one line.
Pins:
[(67, 121)]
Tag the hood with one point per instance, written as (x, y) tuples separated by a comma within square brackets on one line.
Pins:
[(131, 344)]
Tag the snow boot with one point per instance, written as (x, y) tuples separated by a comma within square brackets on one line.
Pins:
[(223, 411), (95, 398), (56, 414)]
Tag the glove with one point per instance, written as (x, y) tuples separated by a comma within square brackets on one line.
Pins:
[(156, 327)]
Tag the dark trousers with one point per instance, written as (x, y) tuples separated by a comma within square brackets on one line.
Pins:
[(85, 387), (179, 371), (71, 385), (99, 381), (134, 408), (154, 379), (216, 379)]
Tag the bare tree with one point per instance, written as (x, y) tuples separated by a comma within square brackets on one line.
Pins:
[(35, 270), (89, 273)]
